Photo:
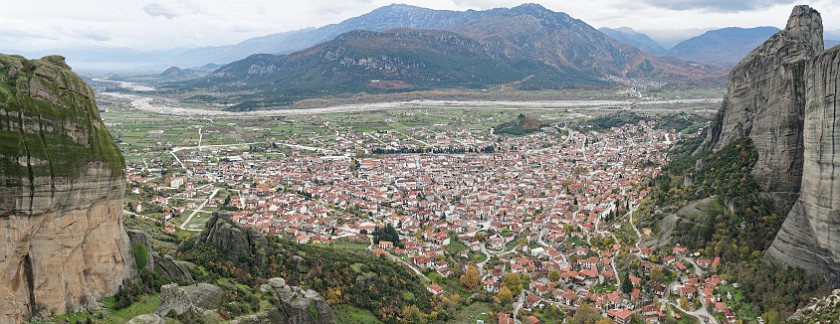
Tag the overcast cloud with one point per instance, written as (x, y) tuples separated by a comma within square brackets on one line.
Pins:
[(37, 25)]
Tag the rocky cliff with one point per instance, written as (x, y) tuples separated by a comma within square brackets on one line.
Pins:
[(807, 238), (784, 97), (61, 187), (766, 102)]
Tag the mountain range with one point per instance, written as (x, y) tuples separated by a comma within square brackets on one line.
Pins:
[(526, 47), (92, 59)]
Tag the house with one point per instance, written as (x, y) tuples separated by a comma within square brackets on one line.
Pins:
[(620, 316), (504, 319), (386, 245), (435, 289), (490, 285)]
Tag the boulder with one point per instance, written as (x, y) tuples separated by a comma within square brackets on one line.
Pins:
[(194, 298), (146, 319), (296, 305)]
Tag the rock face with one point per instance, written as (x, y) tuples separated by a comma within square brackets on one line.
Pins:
[(196, 298), (61, 189), (822, 310), (173, 269), (296, 305), (220, 231), (766, 102), (807, 238)]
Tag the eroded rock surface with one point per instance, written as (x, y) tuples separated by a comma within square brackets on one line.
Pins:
[(808, 237), (61, 188), (195, 298), (297, 305), (766, 102)]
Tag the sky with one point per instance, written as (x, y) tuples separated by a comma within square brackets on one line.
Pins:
[(37, 25)]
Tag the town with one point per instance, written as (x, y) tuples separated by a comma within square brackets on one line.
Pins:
[(473, 211)]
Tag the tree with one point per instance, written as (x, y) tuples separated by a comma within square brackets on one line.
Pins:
[(626, 285), (471, 279), (505, 297), (554, 275), (771, 317), (514, 283), (387, 233), (413, 315), (656, 274), (586, 314)]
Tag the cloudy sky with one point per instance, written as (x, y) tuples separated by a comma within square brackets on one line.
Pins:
[(37, 25)]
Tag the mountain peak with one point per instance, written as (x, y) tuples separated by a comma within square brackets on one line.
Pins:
[(532, 8), (399, 7), (806, 23)]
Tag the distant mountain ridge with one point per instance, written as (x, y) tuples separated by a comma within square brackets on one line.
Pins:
[(384, 18), (629, 36), (526, 47), (725, 46)]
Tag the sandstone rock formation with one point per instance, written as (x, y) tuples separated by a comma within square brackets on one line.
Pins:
[(195, 298), (146, 319), (174, 269), (61, 189), (221, 232), (819, 310), (784, 97), (294, 305), (766, 102), (807, 238)]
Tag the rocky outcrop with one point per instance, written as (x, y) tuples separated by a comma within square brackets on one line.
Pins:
[(807, 238), (195, 298), (819, 310), (766, 102), (175, 270), (236, 241), (146, 319), (61, 187), (296, 305)]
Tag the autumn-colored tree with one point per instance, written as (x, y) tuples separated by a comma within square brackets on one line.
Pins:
[(471, 279), (513, 282), (505, 297), (412, 315), (586, 314), (656, 274)]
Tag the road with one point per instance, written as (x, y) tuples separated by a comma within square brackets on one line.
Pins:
[(183, 225), (517, 306)]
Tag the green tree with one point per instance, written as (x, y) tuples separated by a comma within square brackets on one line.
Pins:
[(626, 285), (554, 275)]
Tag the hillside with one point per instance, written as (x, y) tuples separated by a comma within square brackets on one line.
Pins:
[(725, 46), (526, 47), (364, 61), (629, 36), (756, 192), (521, 126)]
